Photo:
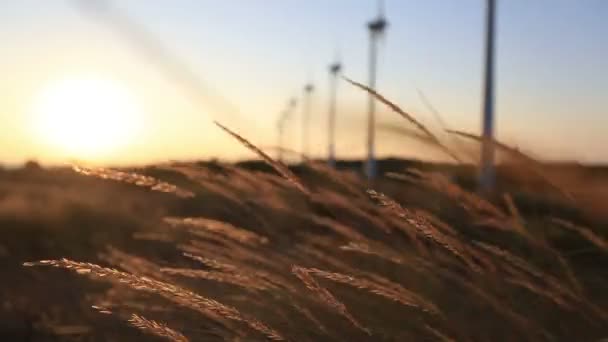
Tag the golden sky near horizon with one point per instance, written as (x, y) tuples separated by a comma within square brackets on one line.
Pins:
[(100, 104), (73, 88)]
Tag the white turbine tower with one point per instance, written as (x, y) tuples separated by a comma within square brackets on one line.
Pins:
[(334, 70), (376, 30), (487, 174), (281, 131), (282, 121), (306, 108)]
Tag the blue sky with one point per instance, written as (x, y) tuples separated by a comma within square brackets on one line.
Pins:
[(552, 69)]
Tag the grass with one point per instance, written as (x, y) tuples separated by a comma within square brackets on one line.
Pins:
[(212, 251)]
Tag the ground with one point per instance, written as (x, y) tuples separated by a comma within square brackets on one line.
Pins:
[(214, 251)]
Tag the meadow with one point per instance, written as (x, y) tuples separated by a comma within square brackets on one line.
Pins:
[(253, 251), (259, 250)]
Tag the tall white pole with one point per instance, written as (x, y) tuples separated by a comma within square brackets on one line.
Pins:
[(285, 115), (334, 70), (376, 30), (281, 131), (370, 167), (487, 172), (291, 109), (308, 89)]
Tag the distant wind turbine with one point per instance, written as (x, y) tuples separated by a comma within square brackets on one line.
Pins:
[(306, 108), (281, 131), (376, 29), (281, 122), (334, 69)]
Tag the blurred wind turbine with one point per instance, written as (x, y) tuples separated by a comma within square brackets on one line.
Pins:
[(334, 69), (487, 174), (281, 122), (376, 29), (281, 131), (306, 108)]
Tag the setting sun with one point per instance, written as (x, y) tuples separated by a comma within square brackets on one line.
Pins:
[(86, 117)]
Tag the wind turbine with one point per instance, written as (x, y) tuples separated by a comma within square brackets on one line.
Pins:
[(334, 69), (281, 131), (281, 122), (308, 89), (487, 172), (376, 31)]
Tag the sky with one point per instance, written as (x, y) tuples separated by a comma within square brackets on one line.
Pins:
[(252, 56)]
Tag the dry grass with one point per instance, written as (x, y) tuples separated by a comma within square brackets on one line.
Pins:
[(278, 166), (172, 292), (218, 227), (386, 289), (250, 258), (584, 232), (359, 265), (529, 163), (134, 178), (325, 296), (432, 138), (155, 328), (471, 202)]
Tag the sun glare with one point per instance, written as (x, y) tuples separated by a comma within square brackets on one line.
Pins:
[(86, 117)]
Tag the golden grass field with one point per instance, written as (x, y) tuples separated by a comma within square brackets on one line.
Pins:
[(253, 251), (205, 251)]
